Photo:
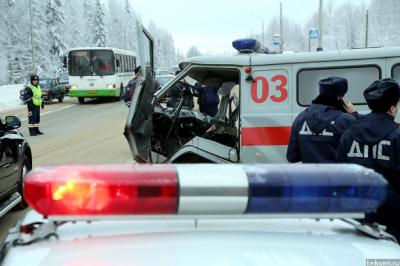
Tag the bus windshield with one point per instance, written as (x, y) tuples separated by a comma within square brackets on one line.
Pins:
[(91, 63)]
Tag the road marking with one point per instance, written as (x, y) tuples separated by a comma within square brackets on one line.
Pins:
[(53, 111)]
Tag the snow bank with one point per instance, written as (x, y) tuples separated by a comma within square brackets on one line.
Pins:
[(9, 97)]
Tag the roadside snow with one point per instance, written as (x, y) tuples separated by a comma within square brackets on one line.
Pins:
[(9, 97)]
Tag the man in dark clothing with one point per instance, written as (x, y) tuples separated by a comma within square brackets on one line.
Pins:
[(374, 141), (317, 130), (131, 86), (33, 100), (208, 98)]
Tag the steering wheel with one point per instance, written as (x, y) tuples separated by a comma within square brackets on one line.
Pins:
[(186, 88)]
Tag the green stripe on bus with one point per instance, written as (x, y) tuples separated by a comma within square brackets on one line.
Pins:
[(93, 93)]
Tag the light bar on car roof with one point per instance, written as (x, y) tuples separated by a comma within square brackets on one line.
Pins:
[(249, 45), (203, 189)]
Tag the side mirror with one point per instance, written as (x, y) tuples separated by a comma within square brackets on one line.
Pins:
[(12, 122), (117, 62)]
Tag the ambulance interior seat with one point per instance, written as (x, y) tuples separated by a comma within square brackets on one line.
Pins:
[(224, 92), (234, 118), (223, 129)]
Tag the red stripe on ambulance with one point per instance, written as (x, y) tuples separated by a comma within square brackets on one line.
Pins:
[(265, 136)]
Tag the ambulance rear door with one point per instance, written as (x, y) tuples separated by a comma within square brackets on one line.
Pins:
[(266, 114)]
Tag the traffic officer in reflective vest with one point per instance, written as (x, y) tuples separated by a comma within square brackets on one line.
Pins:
[(33, 99), (317, 130), (374, 141)]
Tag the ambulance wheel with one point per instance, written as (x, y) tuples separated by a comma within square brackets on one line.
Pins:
[(81, 99)]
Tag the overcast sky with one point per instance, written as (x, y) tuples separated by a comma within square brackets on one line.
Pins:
[(212, 25)]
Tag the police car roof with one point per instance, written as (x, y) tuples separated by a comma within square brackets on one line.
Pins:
[(203, 242), (271, 59), (199, 215)]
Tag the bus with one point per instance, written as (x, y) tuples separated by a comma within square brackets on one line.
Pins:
[(99, 72)]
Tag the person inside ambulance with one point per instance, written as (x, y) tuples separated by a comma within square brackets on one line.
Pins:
[(208, 98), (317, 130), (374, 141)]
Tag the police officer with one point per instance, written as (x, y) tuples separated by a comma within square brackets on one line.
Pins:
[(374, 141), (33, 99), (317, 130)]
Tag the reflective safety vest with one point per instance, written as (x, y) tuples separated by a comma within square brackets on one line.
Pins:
[(37, 94)]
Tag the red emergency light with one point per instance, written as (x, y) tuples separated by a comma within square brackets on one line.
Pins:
[(102, 190)]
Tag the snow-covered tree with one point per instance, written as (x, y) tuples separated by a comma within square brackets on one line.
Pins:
[(117, 26), (100, 28), (40, 38), (346, 26), (179, 57), (130, 22), (74, 29), (12, 44), (193, 51), (55, 23), (384, 23), (164, 50), (89, 21), (293, 36), (168, 57)]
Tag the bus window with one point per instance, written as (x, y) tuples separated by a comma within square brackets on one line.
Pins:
[(79, 63), (123, 63), (130, 63), (90, 63), (102, 62), (117, 59), (358, 78)]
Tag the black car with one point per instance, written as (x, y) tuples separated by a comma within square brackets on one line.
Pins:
[(15, 162), (51, 89)]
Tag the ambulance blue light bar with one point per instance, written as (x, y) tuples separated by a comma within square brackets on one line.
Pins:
[(249, 45), (203, 189)]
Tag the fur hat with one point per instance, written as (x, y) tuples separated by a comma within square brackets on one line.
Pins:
[(138, 69), (333, 87), (382, 94), (34, 77)]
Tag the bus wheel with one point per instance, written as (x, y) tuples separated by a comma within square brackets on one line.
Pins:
[(81, 99)]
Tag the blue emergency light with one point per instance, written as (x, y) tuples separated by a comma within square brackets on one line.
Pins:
[(299, 189), (249, 45)]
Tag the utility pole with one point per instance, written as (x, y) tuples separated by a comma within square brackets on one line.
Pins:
[(281, 27), (321, 21), (124, 36), (262, 32), (33, 56), (366, 30)]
